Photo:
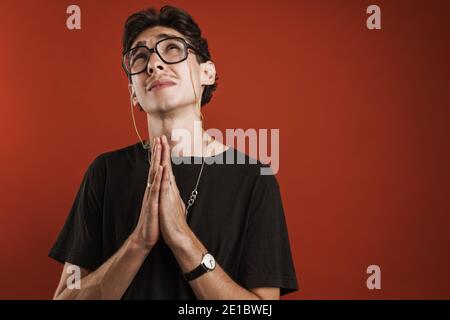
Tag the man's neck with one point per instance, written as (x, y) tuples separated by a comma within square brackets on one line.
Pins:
[(184, 131)]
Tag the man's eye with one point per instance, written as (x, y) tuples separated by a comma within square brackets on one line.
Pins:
[(139, 57), (173, 47)]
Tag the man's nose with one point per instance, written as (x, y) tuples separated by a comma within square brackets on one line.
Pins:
[(154, 62)]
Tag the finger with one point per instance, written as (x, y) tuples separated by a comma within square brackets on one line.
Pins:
[(150, 176), (165, 180), (166, 160), (152, 160), (172, 181), (157, 159), (155, 189)]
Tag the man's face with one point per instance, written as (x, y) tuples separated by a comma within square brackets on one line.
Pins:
[(170, 97)]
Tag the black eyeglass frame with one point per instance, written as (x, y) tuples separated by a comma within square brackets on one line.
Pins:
[(186, 47)]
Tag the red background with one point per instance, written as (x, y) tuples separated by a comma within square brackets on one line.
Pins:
[(363, 118)]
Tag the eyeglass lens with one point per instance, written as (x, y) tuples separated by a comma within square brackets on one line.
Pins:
[(170, 50)]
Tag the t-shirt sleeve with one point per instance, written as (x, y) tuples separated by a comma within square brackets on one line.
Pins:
[(266, 260), (80, 240)]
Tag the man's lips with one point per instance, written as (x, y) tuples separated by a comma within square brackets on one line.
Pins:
[(160, 84)]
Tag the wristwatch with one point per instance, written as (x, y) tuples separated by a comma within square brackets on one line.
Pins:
[(208, 264)]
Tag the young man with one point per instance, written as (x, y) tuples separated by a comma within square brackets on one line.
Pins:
[(128, 230)]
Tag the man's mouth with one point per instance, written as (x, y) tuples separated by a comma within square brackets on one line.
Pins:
[(157, 85)]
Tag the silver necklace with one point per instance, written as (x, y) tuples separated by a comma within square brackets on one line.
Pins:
[(194, 192)]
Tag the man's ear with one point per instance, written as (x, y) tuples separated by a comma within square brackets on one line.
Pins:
[(207, 73), (132, 94)]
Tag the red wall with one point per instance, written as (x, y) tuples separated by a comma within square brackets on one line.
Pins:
[(363, 118)]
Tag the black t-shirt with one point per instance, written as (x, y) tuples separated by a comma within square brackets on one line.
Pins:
[(238, 216)]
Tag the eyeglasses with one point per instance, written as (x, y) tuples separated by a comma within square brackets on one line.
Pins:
[(170, 50)]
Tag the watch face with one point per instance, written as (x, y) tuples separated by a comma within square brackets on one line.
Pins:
[(209, 261)]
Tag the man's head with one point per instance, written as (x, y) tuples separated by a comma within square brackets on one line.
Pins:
[(146, 28)]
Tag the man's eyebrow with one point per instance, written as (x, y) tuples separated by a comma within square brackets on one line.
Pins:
[(158, 37)]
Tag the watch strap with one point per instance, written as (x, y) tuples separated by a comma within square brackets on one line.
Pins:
[(194, 274)]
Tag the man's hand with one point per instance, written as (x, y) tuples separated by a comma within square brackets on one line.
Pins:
[(147, 232), (172, 220)]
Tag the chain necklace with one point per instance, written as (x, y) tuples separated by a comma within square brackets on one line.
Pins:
[(194, 192)]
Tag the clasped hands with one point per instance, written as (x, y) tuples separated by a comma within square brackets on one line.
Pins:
[(163, 211)]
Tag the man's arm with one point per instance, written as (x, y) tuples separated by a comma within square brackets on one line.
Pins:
[(216, 284), (188, 249), (110, 280), (114, 276)]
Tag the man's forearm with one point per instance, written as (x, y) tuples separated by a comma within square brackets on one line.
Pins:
[(214, 285), (113, 277)]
